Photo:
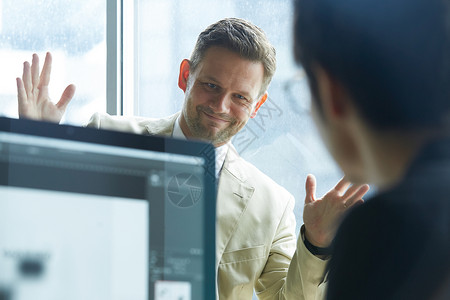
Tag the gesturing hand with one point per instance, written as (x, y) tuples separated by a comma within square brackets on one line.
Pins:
[(322, 216), (32, 91)]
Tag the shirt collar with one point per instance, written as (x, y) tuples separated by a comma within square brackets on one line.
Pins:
[(221, 152)]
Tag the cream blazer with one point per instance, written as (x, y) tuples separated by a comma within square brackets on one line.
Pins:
[(256, 244)]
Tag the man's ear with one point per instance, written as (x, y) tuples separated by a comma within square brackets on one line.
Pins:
[(258, 104), (332, 95), (184, 74)]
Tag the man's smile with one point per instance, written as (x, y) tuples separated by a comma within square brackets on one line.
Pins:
[(214, 119)]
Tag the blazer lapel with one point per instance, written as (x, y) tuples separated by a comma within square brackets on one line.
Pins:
[(233, 190), (232, 199)]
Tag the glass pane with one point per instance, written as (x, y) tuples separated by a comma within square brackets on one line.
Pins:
[(74, 32), (283, 132)]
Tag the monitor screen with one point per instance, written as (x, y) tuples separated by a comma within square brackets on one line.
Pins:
[(94, 214)]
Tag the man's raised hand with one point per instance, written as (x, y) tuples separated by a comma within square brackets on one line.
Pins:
[(32, 93), (322, 216)]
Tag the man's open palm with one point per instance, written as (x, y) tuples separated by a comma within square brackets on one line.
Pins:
[(32, 91), (322, 216)]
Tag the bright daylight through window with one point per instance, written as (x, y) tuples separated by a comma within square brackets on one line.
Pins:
[(74, 32)]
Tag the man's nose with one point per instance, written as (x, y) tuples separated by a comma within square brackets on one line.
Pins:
[(221, 103)]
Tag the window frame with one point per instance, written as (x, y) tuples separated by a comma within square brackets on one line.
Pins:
[(114, 57)]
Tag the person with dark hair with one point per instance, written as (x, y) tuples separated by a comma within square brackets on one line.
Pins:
[(379, 74), (225, 83)]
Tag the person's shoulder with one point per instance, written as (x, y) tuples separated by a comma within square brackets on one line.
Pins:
[(407, 226), (407, 208), (381, 208), (132, 124)]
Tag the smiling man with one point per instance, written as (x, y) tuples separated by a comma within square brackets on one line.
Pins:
[(225, 82), (235, 86)]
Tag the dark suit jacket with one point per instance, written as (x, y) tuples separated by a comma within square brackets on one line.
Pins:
[(397, 245)]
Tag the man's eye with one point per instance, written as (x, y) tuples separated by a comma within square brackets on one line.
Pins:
[(242, 99), (211, 85)]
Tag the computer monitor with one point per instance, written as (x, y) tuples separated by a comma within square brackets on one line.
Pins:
[(103, 215)]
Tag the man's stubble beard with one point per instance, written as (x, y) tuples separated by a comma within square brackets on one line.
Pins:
[(193, 119)]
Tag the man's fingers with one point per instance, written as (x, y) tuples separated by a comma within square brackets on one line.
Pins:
[(46, 70), (351, 191), (26, 78), (310, 187), (21, 93), (67, 95), (342, 185), (357, 196), (362, 191), (35, 70)]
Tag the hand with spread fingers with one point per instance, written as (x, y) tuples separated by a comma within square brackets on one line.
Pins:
[(32, 90), (322, 216)]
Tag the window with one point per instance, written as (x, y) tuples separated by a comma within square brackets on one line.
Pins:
[(75, 32)]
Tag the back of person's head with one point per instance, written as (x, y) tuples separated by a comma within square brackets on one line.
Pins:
[(391, 56), (241, 37)]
